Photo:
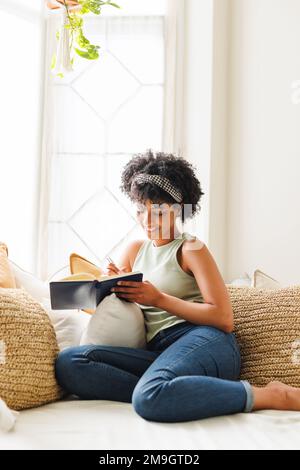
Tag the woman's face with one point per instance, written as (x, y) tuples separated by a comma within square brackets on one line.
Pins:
[(157, 220)]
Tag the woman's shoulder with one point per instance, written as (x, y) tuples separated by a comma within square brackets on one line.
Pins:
[(133, 249), (191, 242)]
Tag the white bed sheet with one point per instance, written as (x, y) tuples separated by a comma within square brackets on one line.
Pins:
[(78, 424)]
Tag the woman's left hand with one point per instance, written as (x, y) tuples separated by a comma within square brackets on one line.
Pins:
[(143, 293)]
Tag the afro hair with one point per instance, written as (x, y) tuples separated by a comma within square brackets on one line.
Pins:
[(179, 171)]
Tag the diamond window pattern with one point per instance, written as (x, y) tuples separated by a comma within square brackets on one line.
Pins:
[(104, 112)]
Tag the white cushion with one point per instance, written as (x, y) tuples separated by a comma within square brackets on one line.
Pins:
[(116, 322), (244, 280), (69, 325), (261, 280), (34, 286), (7, 417), (258, 279)]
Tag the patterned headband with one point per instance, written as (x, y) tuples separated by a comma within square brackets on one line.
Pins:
[(162, 182)]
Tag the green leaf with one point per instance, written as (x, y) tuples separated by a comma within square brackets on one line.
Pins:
[(90, 55), (75, 25), (82, 41), (53, 61), (94, 6), (114, 5)]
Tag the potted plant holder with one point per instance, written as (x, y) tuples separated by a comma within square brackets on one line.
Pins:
[(71, 38)]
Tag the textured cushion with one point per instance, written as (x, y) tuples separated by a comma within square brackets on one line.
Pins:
[(28, 351), (116, 323), (6, 275), (267, 327)]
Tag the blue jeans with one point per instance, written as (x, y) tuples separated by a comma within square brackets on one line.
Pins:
[(186, 372)]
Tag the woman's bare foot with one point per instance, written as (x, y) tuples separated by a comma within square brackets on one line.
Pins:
[(276, 396)]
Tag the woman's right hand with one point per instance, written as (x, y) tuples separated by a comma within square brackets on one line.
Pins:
[(113, 270)]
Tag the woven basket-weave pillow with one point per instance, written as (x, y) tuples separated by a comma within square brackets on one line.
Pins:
[(28, 349), (267, 328)]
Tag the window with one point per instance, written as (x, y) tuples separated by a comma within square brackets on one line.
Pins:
[(102, 114)]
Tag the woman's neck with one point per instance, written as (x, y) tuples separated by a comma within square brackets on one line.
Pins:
[(175, 233)]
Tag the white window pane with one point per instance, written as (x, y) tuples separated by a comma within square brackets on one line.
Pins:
[(23, 8), (101, 222), (114, 165), (140, 45), (104, 112), (137, 7), (62, 240), (75, 179), (138, 125), (33, 4), (106, 85), (78, 127)]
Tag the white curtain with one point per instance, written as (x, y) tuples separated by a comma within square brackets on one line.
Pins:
[(173, 135), (47, 150)]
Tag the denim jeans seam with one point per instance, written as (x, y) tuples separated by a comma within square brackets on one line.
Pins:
[(192, 350), (163, 334), (237, 357), (89, 350), (92, 349)]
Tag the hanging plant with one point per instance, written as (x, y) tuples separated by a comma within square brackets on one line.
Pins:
[(71, 38)]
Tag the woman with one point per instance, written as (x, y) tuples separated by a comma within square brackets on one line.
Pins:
[(191, 365)]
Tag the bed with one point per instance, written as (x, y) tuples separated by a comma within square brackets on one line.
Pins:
[(104, 425)]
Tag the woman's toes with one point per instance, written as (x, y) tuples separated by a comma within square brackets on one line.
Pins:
[(285, 397)]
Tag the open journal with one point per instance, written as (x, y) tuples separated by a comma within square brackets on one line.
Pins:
[(85, 290)]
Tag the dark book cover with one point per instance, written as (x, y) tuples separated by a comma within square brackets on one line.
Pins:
[(85, 294)]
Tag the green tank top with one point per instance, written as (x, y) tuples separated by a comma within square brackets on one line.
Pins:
[(160, 266)]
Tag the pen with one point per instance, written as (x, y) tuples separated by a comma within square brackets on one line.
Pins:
[(111, 261)]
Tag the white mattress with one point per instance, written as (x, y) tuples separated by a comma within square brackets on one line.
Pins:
[(76, 424)]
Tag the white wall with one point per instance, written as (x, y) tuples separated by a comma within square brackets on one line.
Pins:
[(20, 91), (219, 135), (263, 198), (197, 97)]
